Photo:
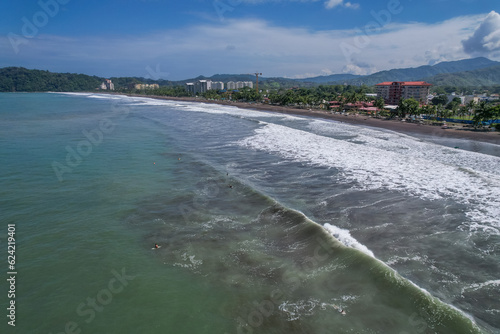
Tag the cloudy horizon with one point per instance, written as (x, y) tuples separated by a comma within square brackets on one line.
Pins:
[(229, 38)]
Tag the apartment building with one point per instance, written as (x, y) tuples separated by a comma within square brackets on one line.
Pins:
[(202, 86), (393, 92), (231, 85), (107, 85)]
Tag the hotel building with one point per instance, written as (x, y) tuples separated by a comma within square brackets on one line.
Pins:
[(202, 86), (231, 85), (107, 85), (393, 92)]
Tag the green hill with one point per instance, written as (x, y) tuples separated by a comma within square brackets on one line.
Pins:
[(476, 72), (419, 73), (334, 78), (19, 79), (483, 77)]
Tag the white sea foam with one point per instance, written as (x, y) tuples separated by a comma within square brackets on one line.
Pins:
[(409, 146), (204, 107), (379, 159), (107, 97), (345, 237), (233, 111), (304, 308), (477, 286), (71, 93), (295, 311), (189, 261)]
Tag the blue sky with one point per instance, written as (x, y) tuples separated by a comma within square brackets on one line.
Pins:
[(291, 38)]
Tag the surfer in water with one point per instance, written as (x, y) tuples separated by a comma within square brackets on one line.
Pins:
[(156, 246)]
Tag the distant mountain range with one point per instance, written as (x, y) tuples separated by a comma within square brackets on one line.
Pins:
[(412, 74), (334, 78), (489, 76), (475, 72), (464, 73)]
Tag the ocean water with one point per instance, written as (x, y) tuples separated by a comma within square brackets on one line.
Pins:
[(266, 223)]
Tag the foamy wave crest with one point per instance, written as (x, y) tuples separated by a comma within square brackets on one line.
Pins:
[(494, 284), (107, 97), (409, 146), (71, 93), (229, 110), (144, 101), (395, 162), (345, 237), (305, 308), (208, 108)]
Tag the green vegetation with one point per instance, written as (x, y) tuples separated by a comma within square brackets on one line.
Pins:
[(440, 99), (408, 107), (481, 115), (478, 78), (18, 79), (485, 113), (306, 97), (439, 74), (277, 91)]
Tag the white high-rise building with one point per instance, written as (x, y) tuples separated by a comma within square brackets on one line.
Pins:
[(217, 85), (231, 85), (107, 85), (190, 88), (202, 86)]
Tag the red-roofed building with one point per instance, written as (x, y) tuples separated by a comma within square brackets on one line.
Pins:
[(393, 92)]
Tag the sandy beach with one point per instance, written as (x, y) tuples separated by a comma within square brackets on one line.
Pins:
[(393, 125)]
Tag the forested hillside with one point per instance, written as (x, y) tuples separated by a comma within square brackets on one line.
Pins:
[(19, 79)]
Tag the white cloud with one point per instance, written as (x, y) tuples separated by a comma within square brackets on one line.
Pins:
[(333, 3), (359, 69), (244, 46), (352, 5), (486, 37), (329, 4)]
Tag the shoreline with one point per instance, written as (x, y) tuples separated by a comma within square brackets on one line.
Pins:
[(492, 137)]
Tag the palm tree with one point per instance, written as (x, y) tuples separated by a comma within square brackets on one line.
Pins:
[(471, 106)]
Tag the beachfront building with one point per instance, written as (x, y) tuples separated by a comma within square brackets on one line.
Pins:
[(217, 85), (393, 92), (202, 86), (107, 85), (231, 85)]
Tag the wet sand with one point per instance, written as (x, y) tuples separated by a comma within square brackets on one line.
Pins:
[(394, 125)]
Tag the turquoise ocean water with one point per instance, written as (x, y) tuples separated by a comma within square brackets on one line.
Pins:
[(266, 223)]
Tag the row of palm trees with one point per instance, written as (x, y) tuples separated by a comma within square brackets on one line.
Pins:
[(344, 95), (307, 97), (481, 113)]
